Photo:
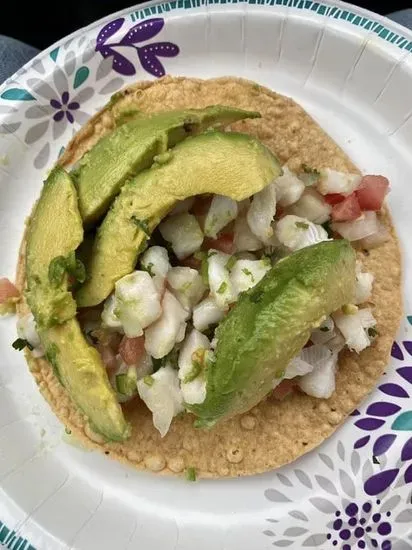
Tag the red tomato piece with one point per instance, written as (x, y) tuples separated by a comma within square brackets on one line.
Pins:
[(7, 291), (132, 350), (285, 388), (371, 192), (224, 243), (347, 210), (334, 198)]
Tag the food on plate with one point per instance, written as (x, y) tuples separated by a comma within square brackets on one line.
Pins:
[(207, 284)]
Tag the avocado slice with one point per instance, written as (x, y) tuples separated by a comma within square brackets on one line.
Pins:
[(80, 370), (231, 164), (271, 323), (131, 148), (54, 232)]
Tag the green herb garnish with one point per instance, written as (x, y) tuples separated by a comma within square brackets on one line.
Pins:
[(309, 176), (302, 225), (148, 380), (372, 332), (141, 224), (21, 343), (61, 265), (149, 269), (248, 273), (324, 329), (57, 270), (191, 474), (230, 264), (194, 373), (222, 289)]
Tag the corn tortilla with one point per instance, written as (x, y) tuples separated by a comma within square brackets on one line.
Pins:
[(274, 432)]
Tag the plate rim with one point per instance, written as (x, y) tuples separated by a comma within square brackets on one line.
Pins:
[(391, 26)]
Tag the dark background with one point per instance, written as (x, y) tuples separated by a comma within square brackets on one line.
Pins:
[(41, 24)]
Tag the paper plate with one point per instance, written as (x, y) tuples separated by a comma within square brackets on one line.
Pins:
[(352, 71)]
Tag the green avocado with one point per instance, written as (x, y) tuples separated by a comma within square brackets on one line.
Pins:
[(231, 164), (131, 148), (79, 368), (54, 233), (271, 323)]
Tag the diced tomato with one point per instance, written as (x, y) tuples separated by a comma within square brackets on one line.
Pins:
[(7, 290), (285, 388), (347, 210), (192, 262), (132, 349), (224, 243), (334, 198), (371, 192), (201, 205)]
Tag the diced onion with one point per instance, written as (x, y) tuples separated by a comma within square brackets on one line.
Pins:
[(183, 232), (222, 211), (289, 188), (360, 228), (332, 181), (262, 212), (162, 395), (311, 206)]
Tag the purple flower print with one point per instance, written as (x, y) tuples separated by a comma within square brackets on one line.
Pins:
[(395, 417), (360, 527), (64, 107), (148, 54)]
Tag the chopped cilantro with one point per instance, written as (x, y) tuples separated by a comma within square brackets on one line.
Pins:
[(309, 176), (148, 268), (68, 431), (141, 224), (79, 272), (148, 380), (372, 332), (222, 289), (211, 253), (230, 264), (21, 343), (61, 265), (324, 329), (57, 269), (248, 273), (191, 474), (194, 373), (302, 225)]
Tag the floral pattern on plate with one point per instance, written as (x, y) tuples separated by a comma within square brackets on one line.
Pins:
[(360, 504)]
